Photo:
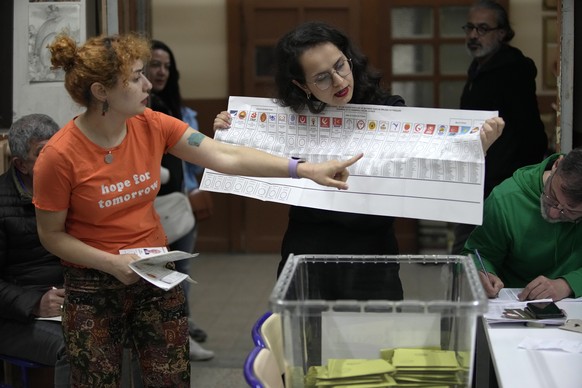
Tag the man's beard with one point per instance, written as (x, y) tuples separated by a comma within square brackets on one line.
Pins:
[(482, 50), (545, 212)]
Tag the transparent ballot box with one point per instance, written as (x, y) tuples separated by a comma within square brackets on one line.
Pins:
[(405, 320)]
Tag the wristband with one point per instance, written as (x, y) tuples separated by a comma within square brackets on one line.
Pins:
[(293, 162)]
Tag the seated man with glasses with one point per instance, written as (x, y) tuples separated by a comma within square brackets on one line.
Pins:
[(531, 236), (501, 78)]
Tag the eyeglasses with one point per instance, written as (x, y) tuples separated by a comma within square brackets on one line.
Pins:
[(551, 201), (482, 29), (342, 68)]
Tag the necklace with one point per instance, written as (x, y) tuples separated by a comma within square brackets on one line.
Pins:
[(109, 157)]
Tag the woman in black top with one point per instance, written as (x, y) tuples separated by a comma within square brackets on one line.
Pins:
[(316, 66)]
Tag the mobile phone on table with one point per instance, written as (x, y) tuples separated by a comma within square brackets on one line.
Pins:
[(545, 310)]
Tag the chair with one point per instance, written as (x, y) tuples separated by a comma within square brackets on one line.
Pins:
[(261, 369), (24, 366), (268, 332), (256, 330)]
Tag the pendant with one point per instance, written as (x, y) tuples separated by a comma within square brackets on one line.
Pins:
[(109, 158)]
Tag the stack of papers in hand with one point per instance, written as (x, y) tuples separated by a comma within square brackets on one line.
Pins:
[(152, 266)]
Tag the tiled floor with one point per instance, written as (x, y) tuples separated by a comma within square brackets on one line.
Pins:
[(232, 292)]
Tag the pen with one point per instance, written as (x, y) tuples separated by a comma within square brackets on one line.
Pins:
[(482, 265)]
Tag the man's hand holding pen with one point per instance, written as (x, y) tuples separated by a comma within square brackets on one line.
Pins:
[(491, 283)]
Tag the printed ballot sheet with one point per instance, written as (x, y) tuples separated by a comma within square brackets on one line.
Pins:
[(418, 162), (152, 266)]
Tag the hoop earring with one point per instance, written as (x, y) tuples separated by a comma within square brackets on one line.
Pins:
[(104, 108)]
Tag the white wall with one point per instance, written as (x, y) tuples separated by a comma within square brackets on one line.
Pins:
[(526, 18), (50, 98), (195, 30)]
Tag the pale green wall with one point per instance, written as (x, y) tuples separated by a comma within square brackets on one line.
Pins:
[(526, 19), (196, 32)]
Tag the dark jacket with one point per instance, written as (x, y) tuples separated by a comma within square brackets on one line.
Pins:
[(316, 231), (506, 82), (169, 161), (27, 270)]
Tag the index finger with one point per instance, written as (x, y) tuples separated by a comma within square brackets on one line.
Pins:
[(527, 292), (353, 159)]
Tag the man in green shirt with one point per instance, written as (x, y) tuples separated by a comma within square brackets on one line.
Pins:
[(531, 236)]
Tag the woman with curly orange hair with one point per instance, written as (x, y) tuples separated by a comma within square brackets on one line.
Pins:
[(95, 184)]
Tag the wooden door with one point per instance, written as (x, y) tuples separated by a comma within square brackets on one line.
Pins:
[(254, 28)]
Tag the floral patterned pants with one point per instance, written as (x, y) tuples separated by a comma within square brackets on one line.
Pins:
[(101, 316)]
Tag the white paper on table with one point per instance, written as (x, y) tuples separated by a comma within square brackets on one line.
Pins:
[(421, 163), (510, 295), (551, 344)]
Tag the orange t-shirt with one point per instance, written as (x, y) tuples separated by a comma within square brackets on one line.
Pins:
[(110, 206)]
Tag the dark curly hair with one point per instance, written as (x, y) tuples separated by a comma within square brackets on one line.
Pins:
[(291, 46), (103, 59)]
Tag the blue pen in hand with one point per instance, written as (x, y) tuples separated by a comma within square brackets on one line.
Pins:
[(483, 266)]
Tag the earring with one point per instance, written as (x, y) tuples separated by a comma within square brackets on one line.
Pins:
[(308, 94), (104, 108)]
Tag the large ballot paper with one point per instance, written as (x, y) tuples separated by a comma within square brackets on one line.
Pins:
[(418, 163)]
